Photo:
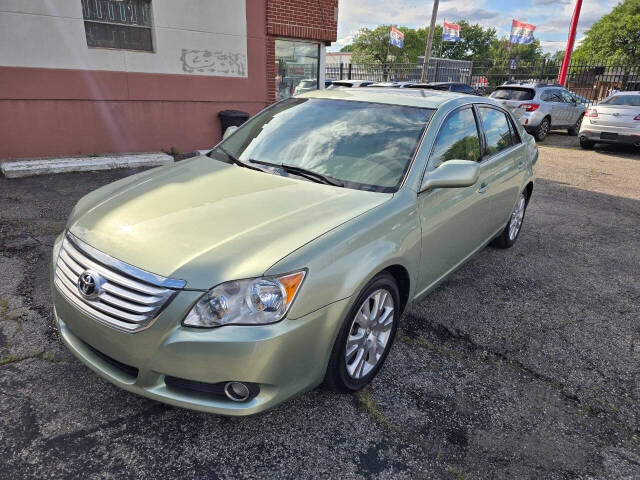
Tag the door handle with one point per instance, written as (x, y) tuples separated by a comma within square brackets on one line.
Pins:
[(521, 164), (483, 188)]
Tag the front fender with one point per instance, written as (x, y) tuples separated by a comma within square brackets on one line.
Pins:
[(343, 260)]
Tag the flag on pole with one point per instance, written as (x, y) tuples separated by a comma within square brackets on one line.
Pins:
[(450, 32), (521, 32), (396, 37)]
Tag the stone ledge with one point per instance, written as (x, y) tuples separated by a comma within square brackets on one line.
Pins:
[(27, 168)]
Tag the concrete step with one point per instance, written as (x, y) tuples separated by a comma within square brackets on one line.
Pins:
[(27, 168)]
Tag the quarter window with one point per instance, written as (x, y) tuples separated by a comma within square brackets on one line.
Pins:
[(497, 129), (458, 139), (120, 24)]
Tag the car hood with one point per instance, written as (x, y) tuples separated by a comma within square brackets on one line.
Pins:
[(204, 221)]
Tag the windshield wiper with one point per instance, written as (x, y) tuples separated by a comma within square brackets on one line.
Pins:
[(235, 159), (303, 172)]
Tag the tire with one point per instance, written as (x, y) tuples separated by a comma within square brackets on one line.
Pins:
[(573, 131), (343, 372), (511, 232), (586, 144), (542, 130)]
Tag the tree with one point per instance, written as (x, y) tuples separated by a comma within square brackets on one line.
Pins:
[(502, 50), (370, 45), (616, 36)]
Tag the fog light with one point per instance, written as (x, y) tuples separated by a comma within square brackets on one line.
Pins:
[(236, 391)]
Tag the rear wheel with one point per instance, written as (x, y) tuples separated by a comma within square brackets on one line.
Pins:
[(573, 131), (586, 144), (542, 131), (366, 336), (509, 235)]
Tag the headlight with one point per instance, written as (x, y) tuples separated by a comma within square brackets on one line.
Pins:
[(256, 301)]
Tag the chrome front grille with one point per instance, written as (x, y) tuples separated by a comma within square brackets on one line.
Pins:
[(125, 297)]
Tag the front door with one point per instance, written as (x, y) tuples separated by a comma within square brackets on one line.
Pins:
[(558, 108), (453, 220)]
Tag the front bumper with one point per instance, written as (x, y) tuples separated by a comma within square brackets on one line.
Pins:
[(282, 359)]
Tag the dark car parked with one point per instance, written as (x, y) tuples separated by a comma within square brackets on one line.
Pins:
[(448, 87)]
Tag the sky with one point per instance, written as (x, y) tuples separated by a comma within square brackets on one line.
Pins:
[(551, 17)]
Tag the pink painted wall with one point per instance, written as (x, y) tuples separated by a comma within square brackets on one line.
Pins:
[(50, 112)]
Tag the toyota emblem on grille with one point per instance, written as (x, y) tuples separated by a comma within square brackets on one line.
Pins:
[(89, 284)]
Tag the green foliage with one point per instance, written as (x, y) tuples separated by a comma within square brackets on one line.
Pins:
[(616, 36), (372, 45), (501, 51)]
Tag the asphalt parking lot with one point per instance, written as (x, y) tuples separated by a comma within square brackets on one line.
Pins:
[(524, 364)]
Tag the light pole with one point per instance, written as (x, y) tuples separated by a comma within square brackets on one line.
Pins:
[(427, 52), (562, 78)]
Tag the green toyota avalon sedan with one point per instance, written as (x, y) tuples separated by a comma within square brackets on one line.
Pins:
[(285, 257)]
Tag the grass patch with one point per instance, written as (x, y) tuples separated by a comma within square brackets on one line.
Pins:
[(4, 307), (443, 350), (456, 472), (12, 359), (369, 406)]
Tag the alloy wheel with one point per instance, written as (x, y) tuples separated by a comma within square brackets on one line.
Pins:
[(516, 217), (369, 334)]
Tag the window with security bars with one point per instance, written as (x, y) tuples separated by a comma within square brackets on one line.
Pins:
[(121, 24)]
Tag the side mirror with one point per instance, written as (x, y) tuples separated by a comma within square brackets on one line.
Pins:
[(229, 131), (452, 174)]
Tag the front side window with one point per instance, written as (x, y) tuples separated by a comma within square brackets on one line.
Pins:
[(362, 145), (458, 139), (297, 66), (497, 129), (120, 24)]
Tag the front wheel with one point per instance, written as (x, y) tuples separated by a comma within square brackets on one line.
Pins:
[(366, 336), (573, 131), (509, 235)]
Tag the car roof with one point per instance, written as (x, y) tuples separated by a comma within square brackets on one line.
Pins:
[(409, 97)]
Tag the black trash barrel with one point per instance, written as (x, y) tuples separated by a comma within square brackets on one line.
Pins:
[(232, 118)]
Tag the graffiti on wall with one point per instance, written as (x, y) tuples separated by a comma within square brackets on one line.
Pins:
[(220, 63)]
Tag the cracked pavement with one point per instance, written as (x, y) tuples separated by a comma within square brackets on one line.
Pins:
[(523, 364)]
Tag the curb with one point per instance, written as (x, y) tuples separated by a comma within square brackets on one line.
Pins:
[(28, 168)]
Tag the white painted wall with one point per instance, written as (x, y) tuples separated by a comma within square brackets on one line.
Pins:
[(196, 37)]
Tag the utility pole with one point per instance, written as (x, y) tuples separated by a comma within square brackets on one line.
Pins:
[(562, 78), (427, 52)]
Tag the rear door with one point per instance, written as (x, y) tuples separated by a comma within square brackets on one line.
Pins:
[(504, 163)]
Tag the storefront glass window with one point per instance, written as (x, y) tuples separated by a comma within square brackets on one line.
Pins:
[(297, 66)]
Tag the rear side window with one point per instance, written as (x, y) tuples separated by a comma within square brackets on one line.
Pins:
[(627, 100), (513, 93), (497, 128), (458, 139)]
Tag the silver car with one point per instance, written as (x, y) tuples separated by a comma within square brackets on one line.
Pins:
[(616, 119), (541, 107)]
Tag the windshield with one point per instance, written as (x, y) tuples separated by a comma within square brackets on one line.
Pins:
[(368, 146), (627, 100), (513, 94)]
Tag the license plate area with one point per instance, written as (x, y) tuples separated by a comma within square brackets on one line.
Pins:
[(608, 136)]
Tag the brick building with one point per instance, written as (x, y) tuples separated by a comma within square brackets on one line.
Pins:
[(99, 76)]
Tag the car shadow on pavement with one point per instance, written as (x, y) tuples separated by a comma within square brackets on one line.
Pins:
[(523, 364)]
